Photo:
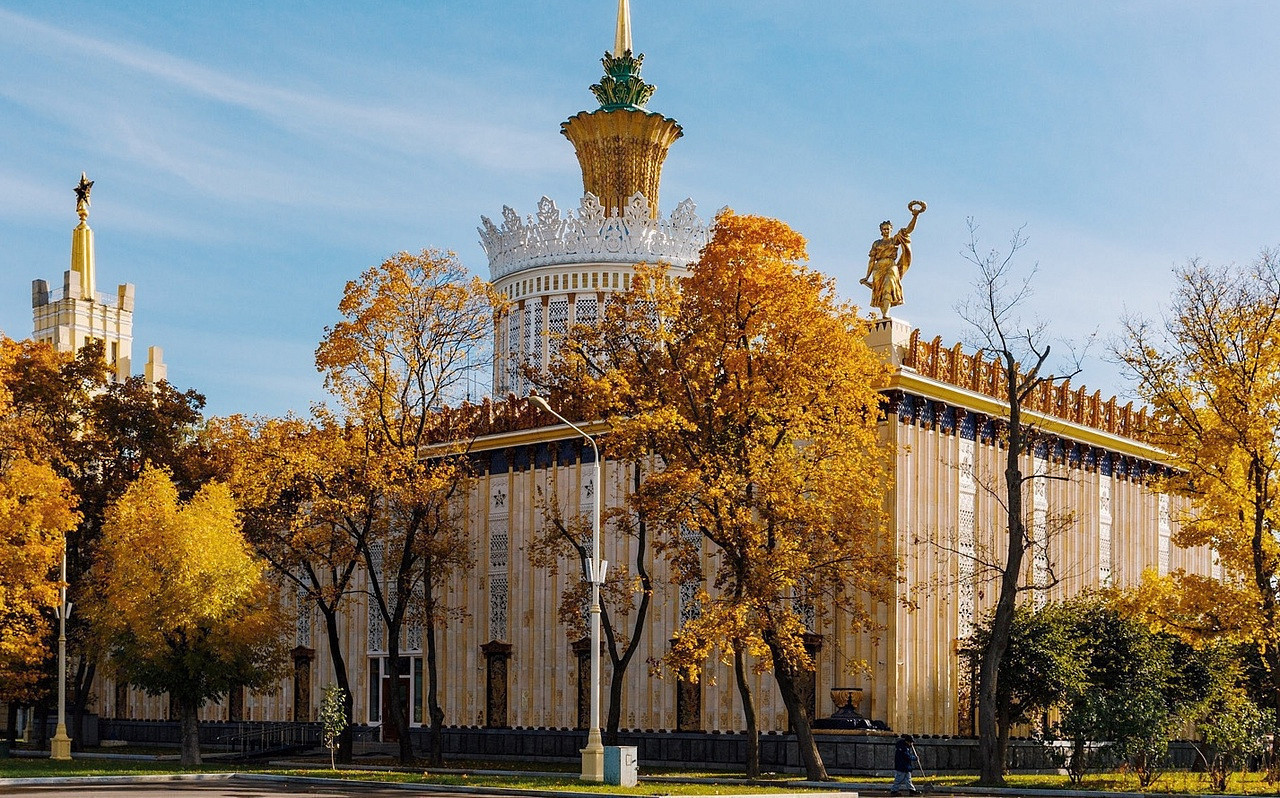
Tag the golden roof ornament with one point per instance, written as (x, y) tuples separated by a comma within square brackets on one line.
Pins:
[(621, 146), (82, 196)]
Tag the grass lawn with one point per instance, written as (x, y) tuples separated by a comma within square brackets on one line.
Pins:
[(1173, 782), (38, 768)]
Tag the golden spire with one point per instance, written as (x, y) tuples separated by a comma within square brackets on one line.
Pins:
[(82, 240), (622, 41)]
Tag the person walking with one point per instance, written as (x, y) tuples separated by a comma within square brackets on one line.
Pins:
[(904, 761)]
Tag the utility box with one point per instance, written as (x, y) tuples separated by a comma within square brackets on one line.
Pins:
[(621, 765)]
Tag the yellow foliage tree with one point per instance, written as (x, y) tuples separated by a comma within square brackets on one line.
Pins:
[(183, 606), (753, 384), (308, 506), (412, 338), (1211, 373), (35, 516)]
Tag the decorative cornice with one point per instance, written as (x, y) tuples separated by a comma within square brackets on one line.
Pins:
[(1054, 399), (907, 379), (592, 236)]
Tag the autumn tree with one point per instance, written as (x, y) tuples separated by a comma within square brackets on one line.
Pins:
[(754, 386), (622, 617), (35, 516), (1023, 352), (98, 435), (307, 505), (192, 618), (42, 396), (131, 424), (1211, 374), (412, 336)]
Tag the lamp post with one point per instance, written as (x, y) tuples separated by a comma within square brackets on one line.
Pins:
[(593, 754), (60, 745)]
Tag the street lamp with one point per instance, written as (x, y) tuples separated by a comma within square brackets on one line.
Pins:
[(593, 754), (60, 745)]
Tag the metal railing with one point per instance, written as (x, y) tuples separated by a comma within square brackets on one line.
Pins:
[(248, 739)]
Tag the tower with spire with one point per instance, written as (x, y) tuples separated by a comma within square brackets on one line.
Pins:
[(78, 315), (621, 146), (559, 270)]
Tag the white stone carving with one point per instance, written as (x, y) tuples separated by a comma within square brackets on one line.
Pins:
[(497, 606), (1104, 531), (302, 633), (591, 236), (1164, 531), (375, 639)]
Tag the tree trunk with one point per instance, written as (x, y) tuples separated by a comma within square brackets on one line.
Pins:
[(399, 717), (12, 725), (617, 674), (189, 731), (435, 750), (346, 739), (86, 669), (1002, 740), (992, 764), (784, 673), (614, 720), (748, 712), (42, 724)]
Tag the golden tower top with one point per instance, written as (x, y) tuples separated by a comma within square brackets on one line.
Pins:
[(620, 146), (82, 261)]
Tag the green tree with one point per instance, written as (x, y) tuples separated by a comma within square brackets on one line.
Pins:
[(1140, 688), (334, 719), (1041, 667), (183, 606)]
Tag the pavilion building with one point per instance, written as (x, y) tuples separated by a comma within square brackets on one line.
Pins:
[(510, 663)]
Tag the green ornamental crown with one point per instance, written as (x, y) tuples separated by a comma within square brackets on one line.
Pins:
[(622, 86)]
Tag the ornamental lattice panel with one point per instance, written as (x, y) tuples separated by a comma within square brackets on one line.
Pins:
[(375, 642), (557, 326), (511, 366), (586, 310), (499, 558)]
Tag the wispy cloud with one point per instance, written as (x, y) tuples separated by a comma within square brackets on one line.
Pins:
[(406, 131)]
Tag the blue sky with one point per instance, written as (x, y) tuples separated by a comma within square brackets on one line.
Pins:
[(250, 158)]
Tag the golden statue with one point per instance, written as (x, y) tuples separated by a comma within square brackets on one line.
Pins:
[(888, 261)]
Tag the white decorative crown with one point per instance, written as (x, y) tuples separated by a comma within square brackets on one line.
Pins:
[(592, 236)]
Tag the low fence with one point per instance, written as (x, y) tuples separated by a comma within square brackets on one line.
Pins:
[(844, 753)]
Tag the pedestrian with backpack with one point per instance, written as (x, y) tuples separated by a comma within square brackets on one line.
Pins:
[(904, 761)]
